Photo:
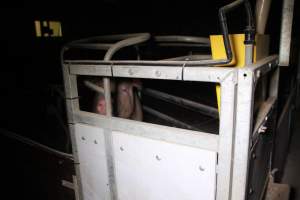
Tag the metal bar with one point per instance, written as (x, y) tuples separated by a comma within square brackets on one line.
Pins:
[(263, 114), (92, 70), (226, 141), (71, 93), (263, 66), (274, 83), (298, 83), (182, 38), (72, 105), (32, 143), (286, 107), (105, 38), (67, 184), (165, 44), (243, 130), (76, 188), (207, 74), (190, 57), (182, 41), (93, 46), (107, 96), (125, 43), (94, 87), (160, 62), (78, 191), (185, 103), (110, 163), (152, 72), (168, 118), (191, 138), (286, 32)]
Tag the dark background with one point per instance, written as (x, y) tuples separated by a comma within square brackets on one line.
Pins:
[(30, 66)]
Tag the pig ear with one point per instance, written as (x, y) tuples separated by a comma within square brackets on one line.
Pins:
[(94, 87)]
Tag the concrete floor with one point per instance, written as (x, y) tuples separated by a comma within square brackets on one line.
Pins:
[(292, 167)]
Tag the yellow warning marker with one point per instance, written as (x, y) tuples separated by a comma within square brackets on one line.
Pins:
[(47, 28), (38, 31)]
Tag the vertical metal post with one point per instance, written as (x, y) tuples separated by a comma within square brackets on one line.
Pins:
[(72, 105), (107, 95), (274, 82), (286, 32), (108, 141), (226, 134), (244, 115), (298, 83)]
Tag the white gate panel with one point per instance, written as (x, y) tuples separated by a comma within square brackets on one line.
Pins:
[(92, 158), (155, 170)]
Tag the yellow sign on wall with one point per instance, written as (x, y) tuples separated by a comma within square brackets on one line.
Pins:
[(48, 28)]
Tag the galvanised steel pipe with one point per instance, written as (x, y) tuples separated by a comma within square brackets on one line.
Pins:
[(168, 118), (182, 38), (182, 102)]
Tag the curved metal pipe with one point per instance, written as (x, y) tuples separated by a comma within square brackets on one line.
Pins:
[(137, 38), (126, 40), (190, 57), (91, 43), (182, 38), (125, 43), (102, 46)]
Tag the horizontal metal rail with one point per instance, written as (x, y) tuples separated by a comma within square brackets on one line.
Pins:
[(182, 38), (205, 73), (161, 62), (165, 44), (190, 57), (185, 103), (168, 118), (263, 66), (93, 46), (182, 41), (198, 139), (32, 143)]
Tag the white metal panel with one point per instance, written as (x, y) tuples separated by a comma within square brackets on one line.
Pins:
[(92, 158), (155, 170)]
